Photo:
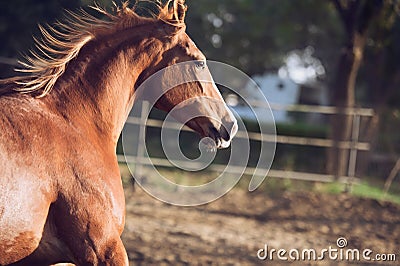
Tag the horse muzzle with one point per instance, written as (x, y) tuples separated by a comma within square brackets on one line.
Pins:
[(220, 134)]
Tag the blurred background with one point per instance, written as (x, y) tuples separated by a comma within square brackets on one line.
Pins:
[(331, 72), (313, 53)]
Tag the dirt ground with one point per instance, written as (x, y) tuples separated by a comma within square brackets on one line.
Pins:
[(231, 230)]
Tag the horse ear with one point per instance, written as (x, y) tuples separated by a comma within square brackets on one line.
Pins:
[(180, 10), (174, 11)]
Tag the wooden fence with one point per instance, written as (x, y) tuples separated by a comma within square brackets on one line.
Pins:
[(354, 145)]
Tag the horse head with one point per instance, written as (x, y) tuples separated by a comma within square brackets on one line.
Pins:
[(186, 88)]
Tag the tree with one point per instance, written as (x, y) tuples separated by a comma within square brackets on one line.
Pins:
[(381, 83), (256, 35), (357, 17)]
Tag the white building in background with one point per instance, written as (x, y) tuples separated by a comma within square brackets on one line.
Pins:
[(276, 90), (282, 91)]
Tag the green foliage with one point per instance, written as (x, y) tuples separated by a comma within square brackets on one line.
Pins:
[(302, 130), (380, 73), (256, 35)]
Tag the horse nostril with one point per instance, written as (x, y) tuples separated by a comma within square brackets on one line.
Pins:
[(225, 134), (229, 131), (215, 132)]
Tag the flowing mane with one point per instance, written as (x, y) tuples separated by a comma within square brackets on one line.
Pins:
[(61, 43)]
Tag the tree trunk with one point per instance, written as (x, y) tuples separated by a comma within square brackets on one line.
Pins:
[(344, 96), (356, 16)]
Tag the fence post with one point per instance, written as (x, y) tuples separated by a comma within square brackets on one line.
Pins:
[(142, 141), (351, 172)]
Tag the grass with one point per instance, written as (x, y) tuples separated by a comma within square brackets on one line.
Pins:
[(368, 188), (365, 189)]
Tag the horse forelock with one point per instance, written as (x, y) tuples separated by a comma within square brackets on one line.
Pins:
[(61, 43)]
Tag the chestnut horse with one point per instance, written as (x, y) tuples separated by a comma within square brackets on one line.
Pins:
[(61, 195)]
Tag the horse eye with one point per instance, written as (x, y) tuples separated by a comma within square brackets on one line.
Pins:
[(200, 65)]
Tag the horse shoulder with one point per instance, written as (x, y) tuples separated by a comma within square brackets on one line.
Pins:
[(26, 189)]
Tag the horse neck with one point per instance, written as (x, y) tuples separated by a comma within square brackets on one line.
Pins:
[(96, 91)]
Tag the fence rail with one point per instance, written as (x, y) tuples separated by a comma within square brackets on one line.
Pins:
[(329, 110), (295, 175), (318, 142)]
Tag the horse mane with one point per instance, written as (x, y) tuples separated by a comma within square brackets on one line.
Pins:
[(61, 43)]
